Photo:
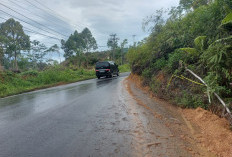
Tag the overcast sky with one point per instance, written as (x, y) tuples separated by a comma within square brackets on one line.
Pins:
[(102, 17)]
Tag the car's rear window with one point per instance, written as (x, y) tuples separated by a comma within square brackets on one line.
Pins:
[(102, 65)]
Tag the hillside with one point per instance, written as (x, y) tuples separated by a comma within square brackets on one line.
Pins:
[(196, 37)]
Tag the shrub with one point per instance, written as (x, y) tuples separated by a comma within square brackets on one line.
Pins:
[(32, 73), (3, 89), (155, 85), (227, 22), (147, 75), (124, 68), (160, 63), (201, 43), (188, 100), (173, 61)]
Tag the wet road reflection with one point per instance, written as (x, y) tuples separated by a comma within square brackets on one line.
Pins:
[(50, 122), (22, 105)]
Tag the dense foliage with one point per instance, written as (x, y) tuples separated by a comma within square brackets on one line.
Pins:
[(14, 40), (197, 35), (78, 43)]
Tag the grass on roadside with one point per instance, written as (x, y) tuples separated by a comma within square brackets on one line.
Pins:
[(11, 83)]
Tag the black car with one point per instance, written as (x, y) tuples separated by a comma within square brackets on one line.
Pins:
[(106, 68)]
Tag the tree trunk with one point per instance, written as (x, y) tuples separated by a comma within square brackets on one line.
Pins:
[(16, 64), (113, 53), (1, 67), (1, 58), (122, 56), (0, 62), (79, 64)]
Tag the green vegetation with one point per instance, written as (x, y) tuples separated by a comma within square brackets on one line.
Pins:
[(78, 43), (26, 65), (11, 83), (124, 68), (197, 36)]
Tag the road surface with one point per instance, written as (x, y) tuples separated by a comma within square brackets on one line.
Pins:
[(91, 118)]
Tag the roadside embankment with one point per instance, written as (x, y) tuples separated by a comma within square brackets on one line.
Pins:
[(209, 130)]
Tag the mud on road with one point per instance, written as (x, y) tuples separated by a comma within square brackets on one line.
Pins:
[(159, 128)]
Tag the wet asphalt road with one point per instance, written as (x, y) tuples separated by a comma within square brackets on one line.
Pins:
[(110, 117), (71, 120)]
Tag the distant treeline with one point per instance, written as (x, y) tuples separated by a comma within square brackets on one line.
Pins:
[(19, 53)]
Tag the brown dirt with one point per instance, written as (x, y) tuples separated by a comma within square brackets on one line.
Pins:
[(210, 132), (138, 81), (213, 133)]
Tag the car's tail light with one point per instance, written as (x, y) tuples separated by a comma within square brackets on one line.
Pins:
[(97, 70), (107, 69)]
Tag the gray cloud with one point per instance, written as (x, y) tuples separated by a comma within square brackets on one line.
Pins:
[(103, 17)]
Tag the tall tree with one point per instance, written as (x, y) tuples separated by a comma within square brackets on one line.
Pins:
[(2, 41), (113, 43), (88, 40), (154, 22), (188, 4), (55, 49), (16, 41), (74, 45), (36, 53)]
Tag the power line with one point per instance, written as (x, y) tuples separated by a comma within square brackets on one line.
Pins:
[(54, 12), (33, 13), (31, 19), (32, 31), (78, 28), (24, 8), (27, 30), (27, 22)]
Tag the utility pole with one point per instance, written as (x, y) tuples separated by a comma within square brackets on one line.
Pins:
[(114, 41), (122, 56), (133, 36), (113, 37), (125, 41)]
